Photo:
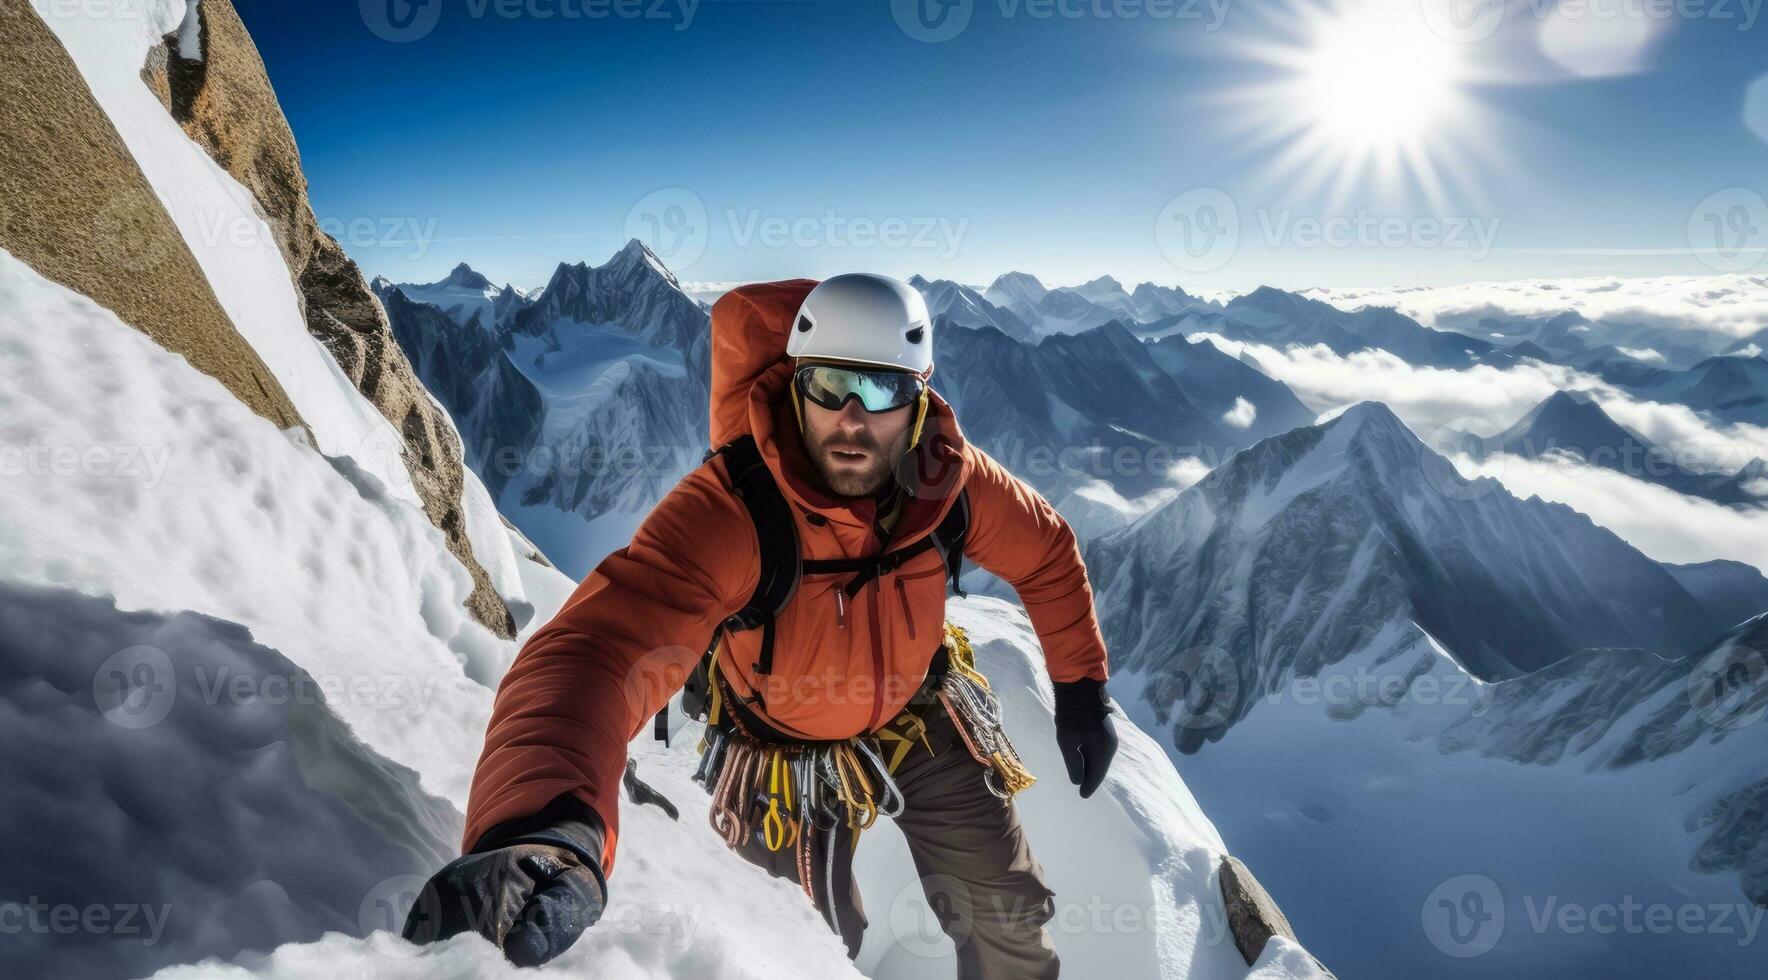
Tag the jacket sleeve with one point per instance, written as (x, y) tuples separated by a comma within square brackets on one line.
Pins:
[(1017, 535), (589, 680)]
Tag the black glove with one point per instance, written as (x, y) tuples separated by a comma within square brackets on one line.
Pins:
[(1084, 732), (530, 885)]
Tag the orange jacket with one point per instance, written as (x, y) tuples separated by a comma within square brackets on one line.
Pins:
[(590, 680)]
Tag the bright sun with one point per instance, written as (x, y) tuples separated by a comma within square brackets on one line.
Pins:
[(1376, 77), (1354, 93)]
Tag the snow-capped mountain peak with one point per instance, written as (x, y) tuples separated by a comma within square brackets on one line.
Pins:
[(463, 277), (1013, 288)]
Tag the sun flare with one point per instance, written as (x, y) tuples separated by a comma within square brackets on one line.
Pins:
[(1354, 95)]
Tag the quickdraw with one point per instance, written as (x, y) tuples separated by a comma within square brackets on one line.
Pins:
[(797, 795), (976, 714)]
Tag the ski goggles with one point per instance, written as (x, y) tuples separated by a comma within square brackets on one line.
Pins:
[(877, 390)]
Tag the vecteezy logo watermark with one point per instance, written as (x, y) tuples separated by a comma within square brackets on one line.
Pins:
[(1728, 230), (673, 222), (387, 904), (87, 10), (140, 464), (382, 453), (932, 21), (831, 229), (1472, 21), (1199, 230), (403, 21), (1364, 230), (408, 232), (126, 231), (35, 917), (1729, 687), (1203, 686), (927, 911), (135, 687), (1463, 437), (1464, 916), (1463, 21), (1631, 916)]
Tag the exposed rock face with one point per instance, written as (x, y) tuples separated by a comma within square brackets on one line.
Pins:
[(225, 103), (1253, 917), (67, 181)]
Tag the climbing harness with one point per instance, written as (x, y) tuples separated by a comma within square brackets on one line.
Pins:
[(795, 795)]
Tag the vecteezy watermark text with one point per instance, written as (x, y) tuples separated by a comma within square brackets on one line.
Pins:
[(403, 21)]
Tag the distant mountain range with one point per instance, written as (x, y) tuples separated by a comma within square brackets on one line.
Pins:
[(558, 391), (1368, 661), (1356, 526), (1574, 424), (579, 405)]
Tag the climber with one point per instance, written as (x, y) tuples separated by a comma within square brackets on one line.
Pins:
[(796, 584)]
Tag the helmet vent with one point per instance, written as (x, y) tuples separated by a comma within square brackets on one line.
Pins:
[(914, 336), (804, 324)]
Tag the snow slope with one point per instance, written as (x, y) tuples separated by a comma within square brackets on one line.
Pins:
[(355, 588), (1136, 891), (178, 497)]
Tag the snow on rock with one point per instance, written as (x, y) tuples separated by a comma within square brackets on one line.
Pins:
[(222, 224), (135, 476)]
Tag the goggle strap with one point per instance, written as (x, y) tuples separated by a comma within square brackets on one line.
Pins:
[(920, 417)]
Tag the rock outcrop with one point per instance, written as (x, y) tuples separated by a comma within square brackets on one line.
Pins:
[(75, 206), (225, 102)]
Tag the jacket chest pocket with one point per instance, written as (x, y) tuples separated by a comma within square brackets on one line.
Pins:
[(922, 590)]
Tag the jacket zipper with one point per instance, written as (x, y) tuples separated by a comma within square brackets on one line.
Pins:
[(902, 593), (840, 607)]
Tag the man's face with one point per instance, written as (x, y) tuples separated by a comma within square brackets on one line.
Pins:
[(856, 451)]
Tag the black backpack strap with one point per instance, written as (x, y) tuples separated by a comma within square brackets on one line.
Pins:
[(777, 548), (777, 540), (949, 538)]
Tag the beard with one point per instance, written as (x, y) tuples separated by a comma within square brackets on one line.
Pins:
[(849, 478)]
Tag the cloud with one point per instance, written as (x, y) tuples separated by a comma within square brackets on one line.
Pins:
[(1728, 307), (1242, 415), (1642, 354), (1485, 400), (1185, 472), (1663, 524)]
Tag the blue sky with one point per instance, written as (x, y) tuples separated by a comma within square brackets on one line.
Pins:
[(758, 139)]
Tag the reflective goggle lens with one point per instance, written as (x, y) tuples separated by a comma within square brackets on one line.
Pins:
[(877, 391)]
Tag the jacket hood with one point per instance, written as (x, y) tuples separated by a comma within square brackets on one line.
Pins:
[(751, 374), (932, 472)]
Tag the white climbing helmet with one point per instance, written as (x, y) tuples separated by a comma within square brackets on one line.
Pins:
[(861, 318)]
